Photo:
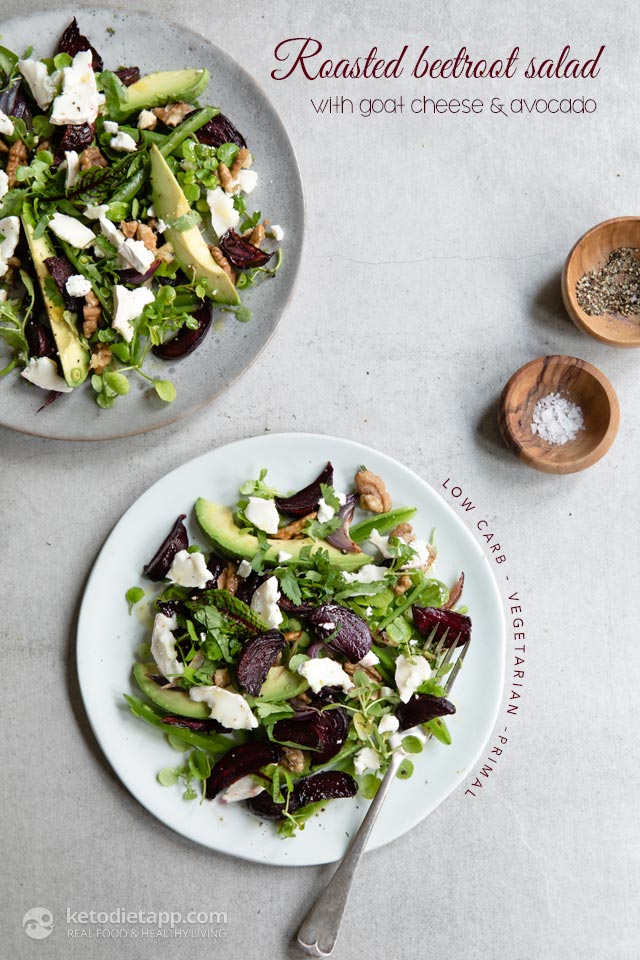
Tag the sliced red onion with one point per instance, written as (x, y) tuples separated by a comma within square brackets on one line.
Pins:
[(14, 103), (241, 254), (133, 277), (306, 500), (340, 539)]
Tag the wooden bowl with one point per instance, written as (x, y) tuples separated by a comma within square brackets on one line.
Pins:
[(580, 382), (590, 253)]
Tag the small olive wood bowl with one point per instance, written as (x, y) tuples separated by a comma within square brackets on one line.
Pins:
[(580, 382), (590, 253)]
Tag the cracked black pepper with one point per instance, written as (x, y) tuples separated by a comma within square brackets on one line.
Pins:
[(615, 287)]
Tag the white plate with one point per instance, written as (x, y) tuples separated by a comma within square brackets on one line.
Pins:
[(106, 646), (151, 43)]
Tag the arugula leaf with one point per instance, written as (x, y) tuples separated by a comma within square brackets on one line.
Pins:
[(258, 488)]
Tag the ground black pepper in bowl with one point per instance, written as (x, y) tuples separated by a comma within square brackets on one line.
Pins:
[(615, 287)]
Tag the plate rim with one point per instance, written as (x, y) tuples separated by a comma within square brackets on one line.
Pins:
[(83, 626), (193, 410)]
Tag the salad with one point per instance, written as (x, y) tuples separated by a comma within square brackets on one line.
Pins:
[(124, 220), (293, 651)]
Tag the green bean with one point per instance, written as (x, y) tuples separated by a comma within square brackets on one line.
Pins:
[(132, 186), (381, 522), (409, 601), (186, 128)]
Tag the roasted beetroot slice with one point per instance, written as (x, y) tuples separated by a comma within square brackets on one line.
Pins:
[(421, 708), (353, 638), (341, 539), (220, 130), (238, 762), (160, 564), (60, 269), (324, 731), (426, 618), (75, 138), (248, 586), (241, 254), (128, 75), (307, 499), (256, 658), (328, 785), (40, 340), (72, 42), (265, 807), (186, 341), (14, 103), (135, 278), (198, 726)]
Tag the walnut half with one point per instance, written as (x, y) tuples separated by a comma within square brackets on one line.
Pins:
[(373, 492)]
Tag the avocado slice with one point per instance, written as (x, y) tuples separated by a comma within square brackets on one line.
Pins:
[(174, 701), (218, 523), (188, 245), (74, 356), (153, 90), (282, 684)]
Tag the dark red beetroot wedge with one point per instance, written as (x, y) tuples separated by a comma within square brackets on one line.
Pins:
[(40, 340), (256, 658), (186, 341), (353, 638), (177, 540), (72, 42), (128, 75), (306, 500), (241, 254), (329, 785), (341, 539), (220, 130), (238, 762), (421, 708), (426, 618), (75, 138), (198, 726), (325, 732), (60, 269)]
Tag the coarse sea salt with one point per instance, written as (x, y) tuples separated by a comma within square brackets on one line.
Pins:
[(556, 419)]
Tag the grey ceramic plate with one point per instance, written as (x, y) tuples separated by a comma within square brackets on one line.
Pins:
[(153, 44)]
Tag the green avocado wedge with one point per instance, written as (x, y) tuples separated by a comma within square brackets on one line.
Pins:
[(152, 90), (174, 701), (282, 684), (189, 246), (74, 355), (218, 524)]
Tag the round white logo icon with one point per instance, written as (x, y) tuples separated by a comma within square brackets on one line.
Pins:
[(38, 923)]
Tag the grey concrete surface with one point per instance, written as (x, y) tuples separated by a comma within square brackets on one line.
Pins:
[(430, 273)]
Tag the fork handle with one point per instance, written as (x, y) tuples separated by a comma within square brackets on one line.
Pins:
[(318, 934)]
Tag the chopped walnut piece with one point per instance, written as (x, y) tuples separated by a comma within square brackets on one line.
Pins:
[(92, 313), (18, 157), (128, 228), (165, 253), (222, 261), (91, 157), (404, 531), (242, 161), (148, 237), (3, 147), (222, 678), (350, 669), (403, 584), (256, 236), (373, 492), (225, 177), (228, 580), (173, 113), (294, 529), (100, 357), (292, 635), (292, 759)]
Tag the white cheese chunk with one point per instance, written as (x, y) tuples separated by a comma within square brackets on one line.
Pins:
[(388, 724), (78, 286), (147, 120), (71, 230), (243, 789), (123, 142), (43, 372), (79, 101), (422, 556), (245, 182), (4, 184), (111, 232), (283, 556), (370, 573), (10, 230), (410, 673), (324, 672), (244, 569), (98, 212), (6, 124), (163, 646), (110, 126), (366, 759), (42, 86), (277, 232), (263, 514), (228, 708), (72, 160), (189, 570), (135, 254), (127, 306), (325, 511), (369, 660), (381, 543), (265, 602), (224, 215)]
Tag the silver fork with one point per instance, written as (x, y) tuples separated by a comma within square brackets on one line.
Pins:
[(319, 932)]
